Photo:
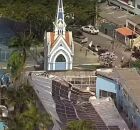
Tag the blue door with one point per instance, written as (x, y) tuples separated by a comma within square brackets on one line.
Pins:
[(60, 66), (60, 63)]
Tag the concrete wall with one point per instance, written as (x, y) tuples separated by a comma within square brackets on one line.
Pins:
[(120, 38), (137, 10), (127, 7), (106, 85), (108, 28), (125, 103)]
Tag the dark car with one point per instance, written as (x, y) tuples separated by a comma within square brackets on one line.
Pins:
[(39, 65), (81, 39), (78, 36), (102, 51)]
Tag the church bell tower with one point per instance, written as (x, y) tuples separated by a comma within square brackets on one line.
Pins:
[(60, 25)]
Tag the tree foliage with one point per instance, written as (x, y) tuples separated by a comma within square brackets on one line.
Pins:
[(21, 45), (26, 115), (40, 14), (16, 63), (136, 64), (81, 125)]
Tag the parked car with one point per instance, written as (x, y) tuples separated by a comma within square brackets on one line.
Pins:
[(39, 65), (90, 29), (78, 34)]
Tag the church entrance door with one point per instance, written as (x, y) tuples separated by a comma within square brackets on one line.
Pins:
[(60, 63)]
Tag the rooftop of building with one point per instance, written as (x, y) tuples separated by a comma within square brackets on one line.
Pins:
[(53, 39), (135, 19), (71, 106), (125, 31), (129, 79), (108, 112), (114, 15)]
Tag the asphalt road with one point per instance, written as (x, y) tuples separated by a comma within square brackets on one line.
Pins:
[(105, 42)]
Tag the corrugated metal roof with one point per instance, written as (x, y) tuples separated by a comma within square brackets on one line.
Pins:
[(125, 31)]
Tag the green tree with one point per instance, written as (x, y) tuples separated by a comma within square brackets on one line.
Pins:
[(26, 115), (81, 125), (135, 64), (21, 45), (15, 64)]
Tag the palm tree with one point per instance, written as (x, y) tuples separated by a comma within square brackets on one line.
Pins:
[(22, 43), (26, 115), (81, 125), (31, 119)]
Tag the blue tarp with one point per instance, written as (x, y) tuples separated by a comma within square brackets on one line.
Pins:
[(3, 126)]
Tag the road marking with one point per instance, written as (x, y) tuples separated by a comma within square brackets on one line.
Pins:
[(110, 13)]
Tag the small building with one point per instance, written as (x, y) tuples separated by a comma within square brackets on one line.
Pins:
[(108, 28), (136, 43), (105, 87), (123, 85), (133, 23), (128, 34), (59, 47), (125, 35), (111, 19)]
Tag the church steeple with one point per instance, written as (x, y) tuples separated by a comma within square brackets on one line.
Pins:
[(60, 10), (60, 21)]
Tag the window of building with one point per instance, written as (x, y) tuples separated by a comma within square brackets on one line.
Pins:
[(137, 29), (138, 6), (130, 26), (60, 58), (107, 94)]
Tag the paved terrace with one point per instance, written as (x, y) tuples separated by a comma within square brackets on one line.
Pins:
[(114, 14)]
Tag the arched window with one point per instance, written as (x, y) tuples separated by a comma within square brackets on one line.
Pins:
[(60, 58)]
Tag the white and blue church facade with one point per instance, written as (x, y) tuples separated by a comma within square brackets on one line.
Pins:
[(59, 46)]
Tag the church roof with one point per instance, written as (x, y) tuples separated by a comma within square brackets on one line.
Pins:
[(53, 39), (52, 36)]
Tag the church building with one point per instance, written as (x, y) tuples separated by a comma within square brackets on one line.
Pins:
[(59, 46)]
